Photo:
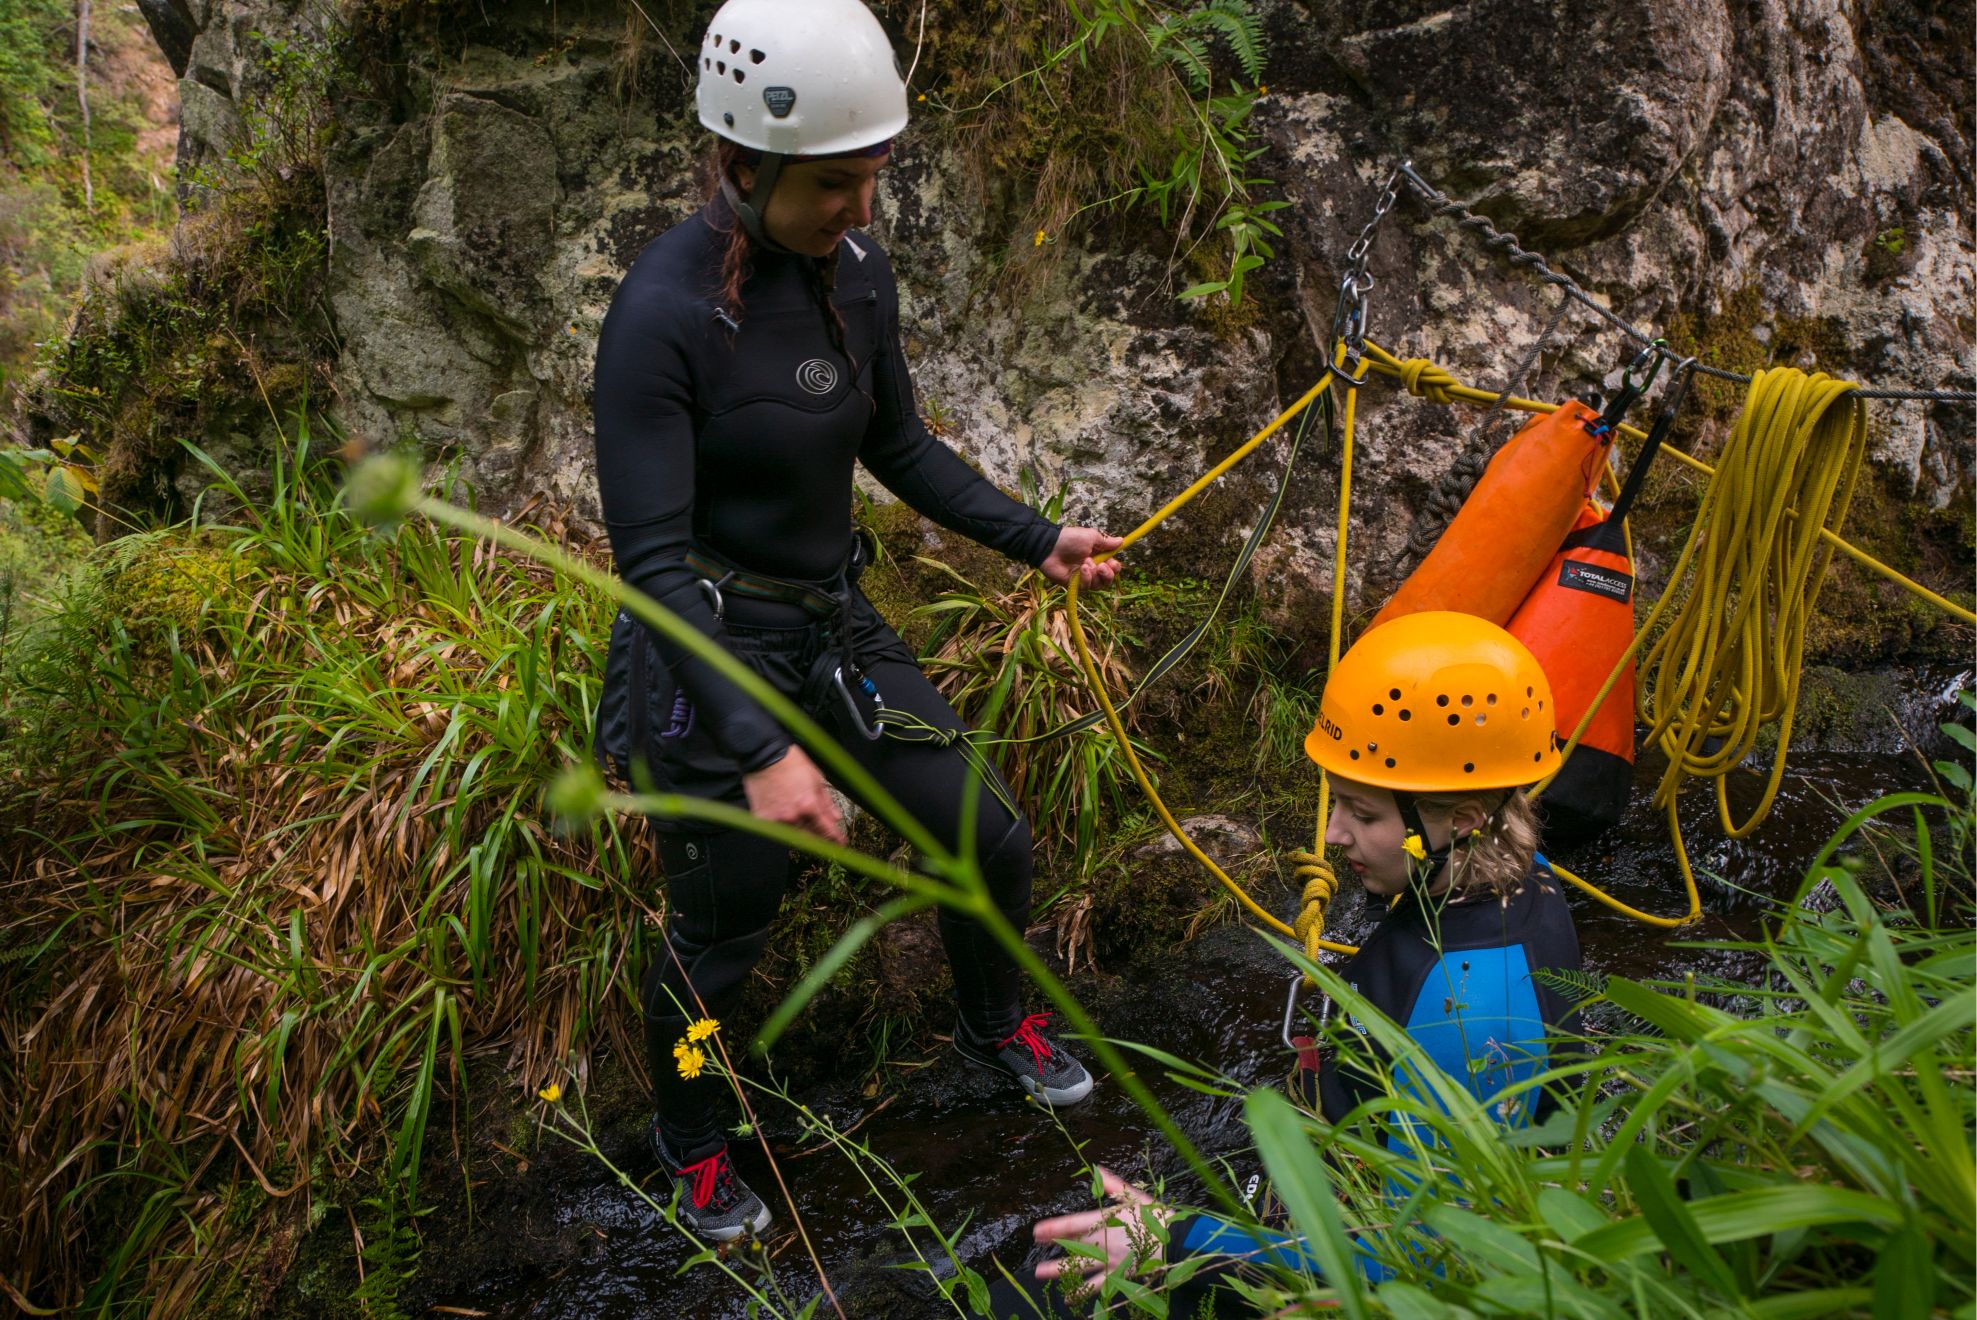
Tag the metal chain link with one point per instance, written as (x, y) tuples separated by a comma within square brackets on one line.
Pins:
[(1349, 318), (1441, 206)]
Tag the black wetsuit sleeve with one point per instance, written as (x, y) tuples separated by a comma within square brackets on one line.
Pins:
[(919, 469), (645, 479)]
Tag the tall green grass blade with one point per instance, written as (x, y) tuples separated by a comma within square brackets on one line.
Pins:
[(1298, 1175)]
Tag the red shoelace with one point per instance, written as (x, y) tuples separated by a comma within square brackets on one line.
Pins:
[(1027, 1034), (706, 1174)]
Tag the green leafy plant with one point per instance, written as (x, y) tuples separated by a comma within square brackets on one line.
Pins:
[(1174, 135)]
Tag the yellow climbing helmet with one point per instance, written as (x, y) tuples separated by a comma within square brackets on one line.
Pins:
[(1436, 702)]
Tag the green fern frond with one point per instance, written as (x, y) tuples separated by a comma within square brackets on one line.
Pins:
[(1575, 985), (1241, 27)]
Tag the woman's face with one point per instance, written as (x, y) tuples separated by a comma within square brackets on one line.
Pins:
[(815, 201)]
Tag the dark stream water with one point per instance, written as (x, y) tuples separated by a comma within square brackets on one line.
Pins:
[(576, 1244)]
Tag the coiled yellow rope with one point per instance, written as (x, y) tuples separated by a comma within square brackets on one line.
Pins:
[(1794, 458)]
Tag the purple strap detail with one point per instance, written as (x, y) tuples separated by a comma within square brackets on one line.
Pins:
[(682, 718)]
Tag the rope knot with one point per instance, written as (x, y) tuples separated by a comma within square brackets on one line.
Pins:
[(1319, 884), (1426, 380)]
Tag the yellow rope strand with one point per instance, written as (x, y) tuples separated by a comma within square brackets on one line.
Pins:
[(1757, 681), (1445, 388), (1118, 728)]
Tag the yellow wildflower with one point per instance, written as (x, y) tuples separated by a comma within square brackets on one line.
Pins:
[(690, 1059), (702, 1029), (1415, 848), (1040, 239), (921, 97), (552, 1093)]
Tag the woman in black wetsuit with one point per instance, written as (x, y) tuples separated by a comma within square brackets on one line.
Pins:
[(749, 358)]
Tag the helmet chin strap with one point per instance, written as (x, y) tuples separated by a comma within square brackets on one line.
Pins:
[(1423, 862), (749, 211)]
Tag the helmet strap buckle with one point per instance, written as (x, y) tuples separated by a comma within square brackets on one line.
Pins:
[(1424, 862), (749, 210)]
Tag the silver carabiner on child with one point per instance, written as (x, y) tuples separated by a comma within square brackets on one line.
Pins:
[(1290, 1011)]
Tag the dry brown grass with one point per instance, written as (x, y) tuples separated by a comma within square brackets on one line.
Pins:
[(270, 882)]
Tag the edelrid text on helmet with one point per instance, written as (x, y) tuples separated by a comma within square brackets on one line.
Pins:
[(799, 77), (1437, 702)]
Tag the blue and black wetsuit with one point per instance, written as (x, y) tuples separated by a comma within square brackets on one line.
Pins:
[(732, 431), (1457, 976)]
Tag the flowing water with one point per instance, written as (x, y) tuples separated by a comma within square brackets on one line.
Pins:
[(574, 1243)]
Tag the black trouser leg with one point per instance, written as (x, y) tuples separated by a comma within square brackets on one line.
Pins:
[(725, 886), (724, 889), (931, 782)]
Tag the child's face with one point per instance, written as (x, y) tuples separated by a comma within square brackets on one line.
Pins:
[(1366, 823)]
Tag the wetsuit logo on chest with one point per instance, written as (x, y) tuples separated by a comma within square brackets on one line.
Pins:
[(817, 376)]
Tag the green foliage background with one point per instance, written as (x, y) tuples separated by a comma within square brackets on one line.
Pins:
[(48, 229)]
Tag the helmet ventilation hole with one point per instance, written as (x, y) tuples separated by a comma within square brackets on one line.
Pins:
[(1355, 753), (756, 57), (720, 66), (1468, 767), (1468, 700), (727, 117), (739, 75), (1378, 709), (1481, 718), (734, 47), (1541, 703), (1537, 756), (717, 38), (1406, 714), (1530, 692), (1454, 720), (1527, 713), (1394, 694), (706, 63), (1390, 763), (1491, 699), (1441, 699)]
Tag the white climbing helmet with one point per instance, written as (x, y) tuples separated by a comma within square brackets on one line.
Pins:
[(800, 77)]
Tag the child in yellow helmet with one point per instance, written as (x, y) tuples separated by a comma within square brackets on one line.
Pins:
[(1430, 730)]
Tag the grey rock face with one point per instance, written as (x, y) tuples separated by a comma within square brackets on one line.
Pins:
[(1668, 156)]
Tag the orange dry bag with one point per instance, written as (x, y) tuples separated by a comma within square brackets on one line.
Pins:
[(1579, 622), (1522, 507)]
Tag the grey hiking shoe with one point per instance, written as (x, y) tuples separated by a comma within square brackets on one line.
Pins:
[(1040, 1065), (714, 1202)]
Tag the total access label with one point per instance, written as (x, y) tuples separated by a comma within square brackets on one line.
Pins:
[(1605, 582)]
